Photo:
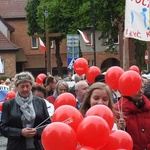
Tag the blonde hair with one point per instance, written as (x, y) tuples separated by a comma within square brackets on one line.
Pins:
[(60, 82)]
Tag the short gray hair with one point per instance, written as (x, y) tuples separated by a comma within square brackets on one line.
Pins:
[(23, 77)]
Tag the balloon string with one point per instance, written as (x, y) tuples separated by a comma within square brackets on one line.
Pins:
[(41, 126), (119, 107), (42, 122)]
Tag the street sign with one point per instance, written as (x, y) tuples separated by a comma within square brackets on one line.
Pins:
[(146, 57), (71, 62), (72, 49)]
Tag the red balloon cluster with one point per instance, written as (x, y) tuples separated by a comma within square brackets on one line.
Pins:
[(93, 131), (130, 83), (112, 77), (59, 136), (40, 78), (135, 68), (102, 111), (118, 140), (80, 66), (69, 115), (92, 72), (70, 131), (65, 99)]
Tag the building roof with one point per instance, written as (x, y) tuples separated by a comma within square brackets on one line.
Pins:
[(10, 28), (5, 44), (12, 8)]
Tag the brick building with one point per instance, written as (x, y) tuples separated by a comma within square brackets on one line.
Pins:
[(19, 52)]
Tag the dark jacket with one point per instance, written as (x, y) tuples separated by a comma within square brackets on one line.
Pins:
[(137, 121), (11, 124)]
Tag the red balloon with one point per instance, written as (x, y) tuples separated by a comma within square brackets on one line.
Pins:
[(59, 136), (92, 72), (118, 139), (102, 111), (69, 115), (1, 105), (85, 148), (10, 95), (80, 66), (112, 77), (135, 68), (40, 78), (130, 83), (93, 131), (65, 99)]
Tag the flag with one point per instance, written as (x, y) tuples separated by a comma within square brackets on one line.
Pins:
[(43, 47), (84, 36), (1, 66), (137, 20)]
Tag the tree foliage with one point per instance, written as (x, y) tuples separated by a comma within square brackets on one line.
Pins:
[(31, 16), (66, 16)]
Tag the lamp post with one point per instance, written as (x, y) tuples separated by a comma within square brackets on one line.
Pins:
[(93, 29), (45, 13)]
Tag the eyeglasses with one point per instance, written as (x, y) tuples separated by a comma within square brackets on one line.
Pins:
[(24, 77)]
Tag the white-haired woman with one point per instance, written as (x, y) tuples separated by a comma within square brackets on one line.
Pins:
[(22, 114), (61, 87)]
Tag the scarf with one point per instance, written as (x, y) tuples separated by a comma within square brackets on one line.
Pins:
[(26, 107)]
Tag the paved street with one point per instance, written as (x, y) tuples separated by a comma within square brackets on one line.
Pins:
[(2, 143)]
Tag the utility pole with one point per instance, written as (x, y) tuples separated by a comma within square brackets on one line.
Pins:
[(45, 39)]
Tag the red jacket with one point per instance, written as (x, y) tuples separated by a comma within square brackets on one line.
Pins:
[(137, 122), (51, 99)]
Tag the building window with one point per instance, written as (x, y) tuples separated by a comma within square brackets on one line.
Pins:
[(34, 43), (1, 66), (116, 40), (109, 41), (92, 62)]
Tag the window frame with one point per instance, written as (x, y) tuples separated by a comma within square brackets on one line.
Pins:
[(37, 43)]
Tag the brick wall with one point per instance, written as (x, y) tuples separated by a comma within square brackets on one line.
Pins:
[(9, 64)]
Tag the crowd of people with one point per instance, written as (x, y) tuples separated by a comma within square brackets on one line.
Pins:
[(26, 114)]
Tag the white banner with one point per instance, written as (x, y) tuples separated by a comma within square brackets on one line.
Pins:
[(137, 19)]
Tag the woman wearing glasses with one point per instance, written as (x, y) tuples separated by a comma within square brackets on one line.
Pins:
[(23, 115)]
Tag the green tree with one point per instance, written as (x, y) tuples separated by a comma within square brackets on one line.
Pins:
[(31, 16), (61, 18), (109, 14), (66, 16)]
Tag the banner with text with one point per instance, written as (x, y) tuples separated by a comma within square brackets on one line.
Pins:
[(137, 19)]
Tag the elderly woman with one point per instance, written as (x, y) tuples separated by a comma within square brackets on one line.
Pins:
[(61, 87), (22, 116)]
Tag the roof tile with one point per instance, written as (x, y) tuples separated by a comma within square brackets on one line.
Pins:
[(5, 44), (12, 8)]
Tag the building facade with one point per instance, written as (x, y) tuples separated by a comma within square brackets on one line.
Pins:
[(23, 53)]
